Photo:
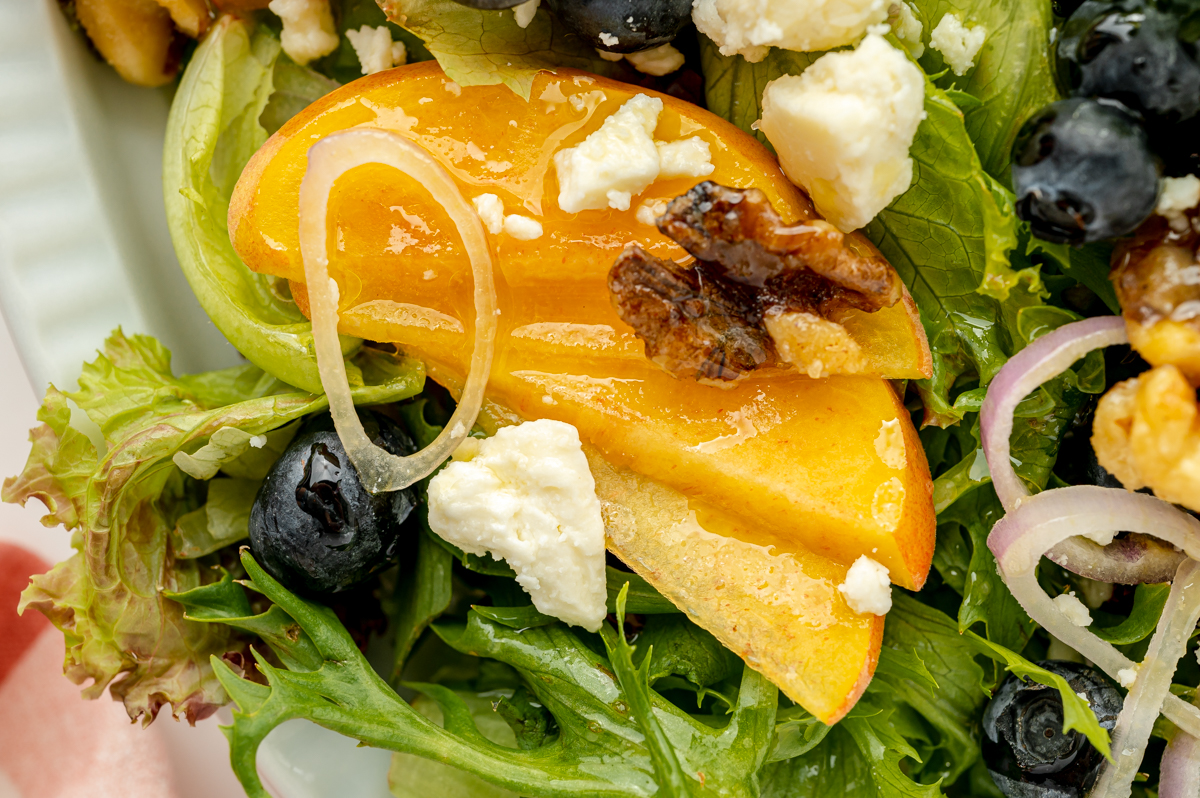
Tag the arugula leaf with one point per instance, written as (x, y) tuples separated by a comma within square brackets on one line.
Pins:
[(1148, 603), (132, 507), (422, 593), (598, 705), (683, 649), (1012, 77), (483, 48), (1077, 713), (212, 131)]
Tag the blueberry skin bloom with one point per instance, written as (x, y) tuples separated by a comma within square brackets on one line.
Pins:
[(1082, 171), (635, 24), (313, 526), (1130, 51), (1024, 746)]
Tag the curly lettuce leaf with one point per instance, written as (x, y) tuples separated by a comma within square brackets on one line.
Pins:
[(602, 707), (483, 48), (131, 506)]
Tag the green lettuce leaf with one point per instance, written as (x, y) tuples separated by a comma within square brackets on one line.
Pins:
[(1148, 603), (1012, 77), (483, 48), (212, 131), (131, 506), (603, 708)]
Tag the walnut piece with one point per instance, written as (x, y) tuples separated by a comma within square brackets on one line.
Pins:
[(1157, 279), (1147, 434), (760, 293)]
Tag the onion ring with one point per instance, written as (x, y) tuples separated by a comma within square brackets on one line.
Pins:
[(328, 160)]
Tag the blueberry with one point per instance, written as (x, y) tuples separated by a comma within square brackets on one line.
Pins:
[(313, 526), (1131, 52), (1082, 171), (1024, 746), (623, 26)]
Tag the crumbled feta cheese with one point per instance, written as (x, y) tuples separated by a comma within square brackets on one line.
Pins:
[(622, 158), (1179, 195), (608, 40), (491, 212), (907, 27), (842, 129), (308, 30), (751, 27), (375, 49), (1075, 610), (1101, 537), (524, 12), (528, 497), (1126, 677), (258, 441), (867, 588), (660, 61), (957, 43), (607, 56), (522, 228), (649, 211), (684, 158)]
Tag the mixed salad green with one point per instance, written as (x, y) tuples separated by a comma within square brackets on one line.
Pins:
[(442, 659)]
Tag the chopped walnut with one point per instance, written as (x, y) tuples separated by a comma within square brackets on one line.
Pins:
[(1157, 279), (1147, 434), (703, 329), (760, 293)]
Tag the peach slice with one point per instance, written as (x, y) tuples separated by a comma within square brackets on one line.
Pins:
[(710, 493)]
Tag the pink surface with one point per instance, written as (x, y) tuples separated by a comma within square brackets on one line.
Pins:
[(52, 743)]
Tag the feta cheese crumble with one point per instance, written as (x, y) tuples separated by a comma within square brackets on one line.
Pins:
[(1126, 677), (527, 496), (308, 31), (622, 159), (375, 49), (608, 40), (661, 60), (867, 588), (907, 27), (1178, 196), (957, 43), (524, 12), (843, 128), (1075, 610), (491, 213), (751, 27)]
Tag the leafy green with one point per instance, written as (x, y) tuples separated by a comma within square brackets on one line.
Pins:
[(483, 48), (224, 519), (132, 506), (601, 707), (212, 131), (1077, 713), (1148, 603), (1013, 75), (683, 649), (422, 593), (343, 64)]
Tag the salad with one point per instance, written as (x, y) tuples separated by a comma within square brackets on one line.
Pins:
[(660, 398)]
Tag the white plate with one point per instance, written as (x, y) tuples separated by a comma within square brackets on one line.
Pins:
[(84, 248)]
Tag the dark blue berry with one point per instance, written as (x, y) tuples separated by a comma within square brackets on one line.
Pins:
[(1082, 171), (623, 26), (313, 526), (1024, 746), (1132, 52)]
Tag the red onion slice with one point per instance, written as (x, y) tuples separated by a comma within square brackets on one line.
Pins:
[(1020, 538), (1042, 360), (1153, 684), (1180, 769)]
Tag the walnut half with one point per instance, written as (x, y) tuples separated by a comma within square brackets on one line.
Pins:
[(761, 293)]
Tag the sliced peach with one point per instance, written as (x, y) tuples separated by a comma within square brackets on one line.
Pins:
[(795, 460)]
